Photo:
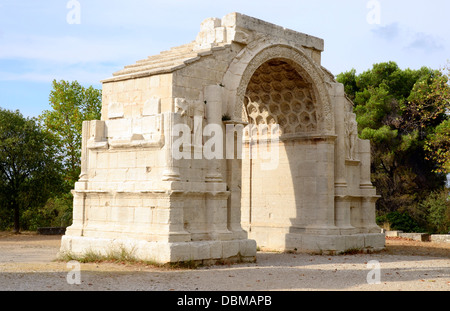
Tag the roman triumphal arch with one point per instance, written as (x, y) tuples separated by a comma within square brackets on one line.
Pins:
[(237, 139)]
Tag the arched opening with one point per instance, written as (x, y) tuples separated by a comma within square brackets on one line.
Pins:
[(288, 205), (278, 94), (283, 199)]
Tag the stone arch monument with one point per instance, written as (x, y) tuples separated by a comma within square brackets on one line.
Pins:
[(174, 170)]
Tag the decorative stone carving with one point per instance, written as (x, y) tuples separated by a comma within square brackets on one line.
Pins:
[(192, 114), (197, 111), (277, 94), (304, 67), (351, 132), (181, 106)]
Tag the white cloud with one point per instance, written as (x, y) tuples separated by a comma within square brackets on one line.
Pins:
[(404, 37), (426, 42), (30, 76), (82, 76), (64, 49), (388, 32), (89, 60), (116, 33)]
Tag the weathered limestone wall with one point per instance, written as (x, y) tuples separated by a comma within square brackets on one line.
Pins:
[(136, 97)]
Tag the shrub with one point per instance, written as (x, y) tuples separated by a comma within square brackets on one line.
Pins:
[(400, 221), (438, 206), (57, 212), (6, 219)]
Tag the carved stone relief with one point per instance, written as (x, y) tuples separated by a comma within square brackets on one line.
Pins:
[(192, 114), (351, 133), (307, 71), (277, 94)]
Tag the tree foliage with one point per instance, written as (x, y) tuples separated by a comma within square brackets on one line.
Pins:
[(403, 114), (29, 171), (438, 147), (438, 206), (71, 105)]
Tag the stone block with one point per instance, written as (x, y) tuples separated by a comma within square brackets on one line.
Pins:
[(115, 110), (152, 106), (180, 252), (97, 130), (323, 243), (102, 160), (155, 81), (376, 241), (119, 128), (143, 215), (354, 242), (422, 237), (393, 233), (216, 250), (126, 160), (440, 238), (247, 248), (230, 248), (200, 250)]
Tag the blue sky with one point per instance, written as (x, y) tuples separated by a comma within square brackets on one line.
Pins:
[(37, 44)]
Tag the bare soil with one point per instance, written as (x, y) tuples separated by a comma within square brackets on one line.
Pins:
[(28, 262)]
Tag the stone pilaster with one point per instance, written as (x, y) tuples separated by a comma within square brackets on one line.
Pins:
[(343, 216), (368, 214), (339, 111), (364, 154), (171, 172), (324, 215), (213, 95)]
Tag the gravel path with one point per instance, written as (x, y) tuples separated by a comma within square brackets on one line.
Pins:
[(27, 262)]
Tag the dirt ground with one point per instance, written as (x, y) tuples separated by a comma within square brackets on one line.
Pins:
[(28, 263)]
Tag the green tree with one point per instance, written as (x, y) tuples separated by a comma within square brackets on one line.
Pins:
[(398, 111), (29, 171), (438, 146), (437, 205), (71, 105), (438, 142)]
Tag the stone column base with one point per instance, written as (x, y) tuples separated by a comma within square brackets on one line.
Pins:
[(335, 244), (281, 239), (206, 252)]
